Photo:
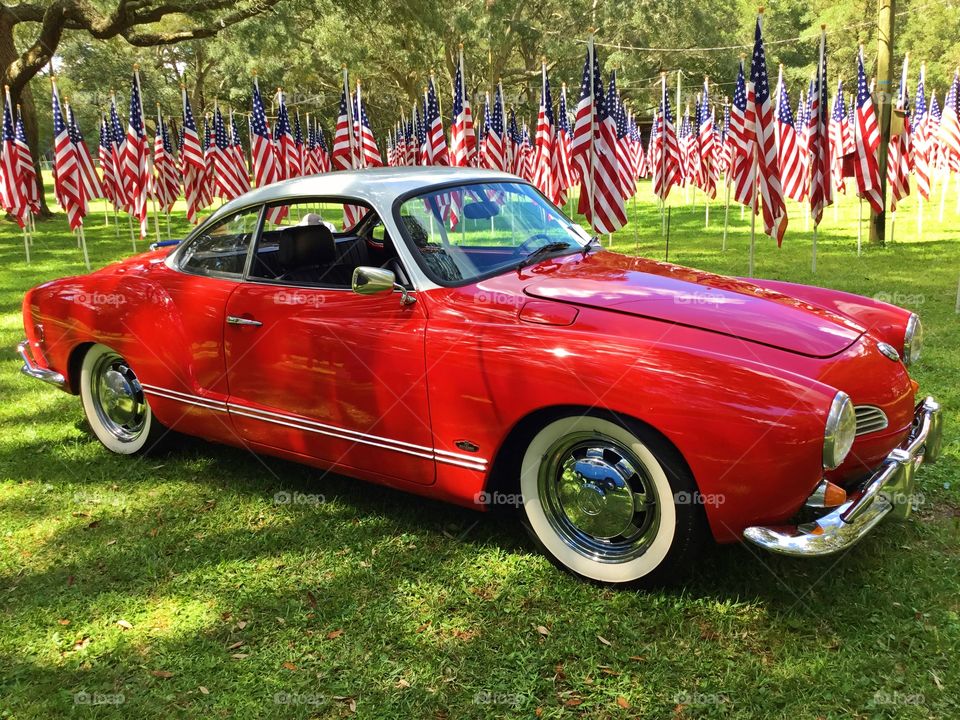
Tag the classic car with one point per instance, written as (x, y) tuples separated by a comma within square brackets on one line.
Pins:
[(462, 339)]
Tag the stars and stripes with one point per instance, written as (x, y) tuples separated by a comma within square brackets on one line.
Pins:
[(284, 145), (841, 138), (134, 171), (594, 151), (463, 142), (435, 147), (949, 133), (263, 157), (706, 144), (744, 166), (771, 195), (13, 195), (821, 190), (89, 180), (28, 173), (627, 184), (664, 156), (67, 183), (494, 141), (344, 153), (110, 181), (899, 150), (192, 163), (166, 182), (563, 172), (867, 139), (793, 168), (544, 167), (369, 151), (227, 181), (920, 122)]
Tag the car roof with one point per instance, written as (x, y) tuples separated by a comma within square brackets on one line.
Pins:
[(377, 186)]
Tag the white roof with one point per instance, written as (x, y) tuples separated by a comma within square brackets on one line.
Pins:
[(377, 186)]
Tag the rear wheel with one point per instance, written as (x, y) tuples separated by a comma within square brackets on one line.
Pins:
[(114, 403), (610, 503)]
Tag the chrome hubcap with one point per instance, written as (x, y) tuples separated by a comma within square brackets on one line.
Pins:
[(598, 497), (118, 398)]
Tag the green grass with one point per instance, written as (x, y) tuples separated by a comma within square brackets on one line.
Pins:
[(384, 605)]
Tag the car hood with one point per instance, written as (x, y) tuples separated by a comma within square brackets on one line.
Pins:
[(684, 296)]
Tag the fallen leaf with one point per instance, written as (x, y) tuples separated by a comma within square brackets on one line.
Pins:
[(241, 624), (424, 626), (80, 515), (281, 621), (542, 630), (63, 621), (70, 581), (402, 683), (936, 679), (573, 702), (203, 690), (622, 702), (165, 674), (334, 634), (602, 639), (235, 645), (637, 658), (240, 656), (288, 666), (125, 625), (208, 505), (226, 616), (81, 643), (311, 599), (153, 532), (111, 542), (539, 712)]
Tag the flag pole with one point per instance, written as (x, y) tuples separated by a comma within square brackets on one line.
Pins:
[(83, 245), (26, 243), (860, 229), (591, 53)]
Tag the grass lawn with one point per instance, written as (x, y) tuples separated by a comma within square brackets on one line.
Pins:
[(176, 586)]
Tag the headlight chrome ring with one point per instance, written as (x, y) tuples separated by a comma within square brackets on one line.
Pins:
[(912, 340), (839, 432)]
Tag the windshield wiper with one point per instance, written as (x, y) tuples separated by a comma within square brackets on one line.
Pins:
[(593, 242), (541, 251)]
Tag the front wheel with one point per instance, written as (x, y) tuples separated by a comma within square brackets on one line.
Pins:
[(611, 504), (114, 403)]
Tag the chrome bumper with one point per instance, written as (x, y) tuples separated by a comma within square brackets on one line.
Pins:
[(888, 490), (39, 373)]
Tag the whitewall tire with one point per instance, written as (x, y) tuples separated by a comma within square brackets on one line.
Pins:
[(601, 500), (114, 403)]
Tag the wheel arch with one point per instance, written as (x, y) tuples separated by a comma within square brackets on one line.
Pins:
[(504, 476), (74, 363)]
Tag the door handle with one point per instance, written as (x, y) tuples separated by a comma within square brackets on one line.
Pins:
[(234, 320)]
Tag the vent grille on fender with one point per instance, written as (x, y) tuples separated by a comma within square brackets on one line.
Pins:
[(870, 419)]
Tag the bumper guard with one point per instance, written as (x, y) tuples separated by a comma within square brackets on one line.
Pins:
[(35, 371)]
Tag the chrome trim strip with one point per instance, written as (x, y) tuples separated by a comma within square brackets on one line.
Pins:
[(35, 371), (887, 491), (298, 423)]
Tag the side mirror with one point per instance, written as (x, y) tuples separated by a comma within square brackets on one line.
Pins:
[(377, 281)]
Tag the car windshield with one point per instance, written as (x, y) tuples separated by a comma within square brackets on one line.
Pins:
[(464, 233)]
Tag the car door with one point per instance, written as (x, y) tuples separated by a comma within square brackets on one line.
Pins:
[(316, 369)]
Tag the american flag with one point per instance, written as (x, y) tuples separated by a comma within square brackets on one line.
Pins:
[(821, 190), (707, 146), (950, 125), (463, 142), (284, 145), (512, 145), (793, 169), (369, 152), (867, 133), (725, 147), (166, 184), (562, 169), (226, 179), (344, 154), (12, 190), (899, 149), (525, 154), (208, 186), (594, 151), (628, 186), (774, 209), (28, 174), (743, 166), (665, 153), (639, 157), (323, 152), (67, 182), (90, 181), (840, 138), (239, 158), (544, 143), (311, 160), (263, 157), (111, 188), (118, 150), (494, 140), (192, 166), (298, 144), (134, 171), (921, 138)]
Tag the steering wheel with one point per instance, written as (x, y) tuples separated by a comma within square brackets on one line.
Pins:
[(523, 249)]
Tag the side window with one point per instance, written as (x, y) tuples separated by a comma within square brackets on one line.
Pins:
[(222, 248), (303, 243)]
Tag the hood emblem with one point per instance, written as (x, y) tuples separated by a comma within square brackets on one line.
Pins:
[(889, 350)]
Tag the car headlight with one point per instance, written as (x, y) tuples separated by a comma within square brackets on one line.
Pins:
[(840, 431), (912, 340)]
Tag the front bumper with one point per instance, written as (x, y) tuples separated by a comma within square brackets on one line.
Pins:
[(35, 371), (889, 489)]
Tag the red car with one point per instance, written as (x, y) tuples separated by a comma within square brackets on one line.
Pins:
[(465, 341)]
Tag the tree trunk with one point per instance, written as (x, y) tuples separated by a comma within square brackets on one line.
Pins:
[(23, 96)]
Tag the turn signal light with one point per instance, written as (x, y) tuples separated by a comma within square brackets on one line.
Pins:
[(827, 495)]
